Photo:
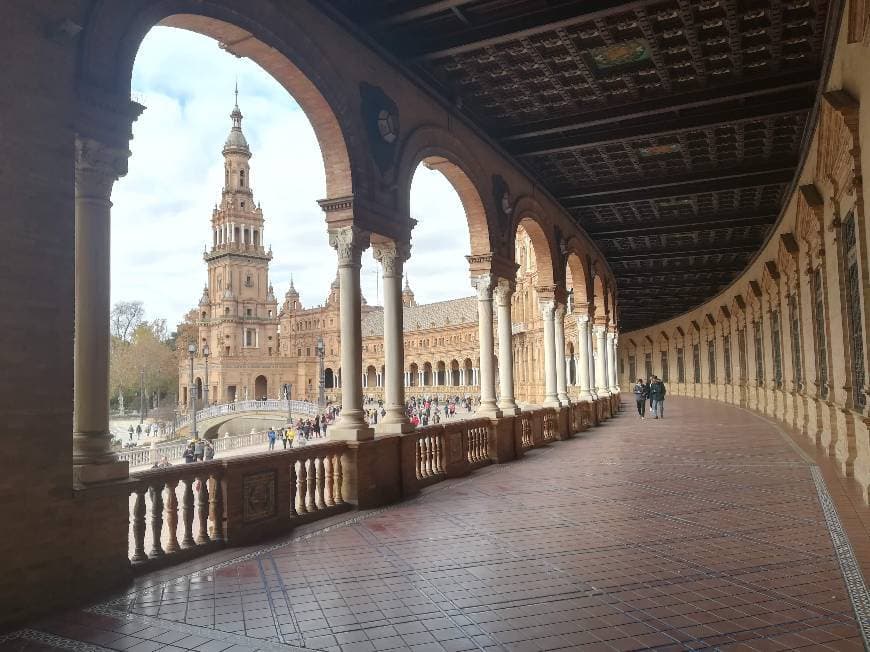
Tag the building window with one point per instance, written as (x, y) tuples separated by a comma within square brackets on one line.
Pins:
[(249, 281), (681, 365), (711, 361), (795, 335), (776, 343), (726, 353), (741, 354), (250, 337), (632, 368), (853, 310), (227, 350), (665, 374), (242, 179), (307, 352), (821, 333), (227, 310), (759, 352), (248, 312), (299, 352), (696, 361), (647, 365)]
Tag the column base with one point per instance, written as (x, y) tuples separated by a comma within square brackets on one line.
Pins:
[(586, 397), (564, 399), (394, 427), (351, 427), (489, 410), (86, 474), (509, 408), (551, 402), (603, 393)]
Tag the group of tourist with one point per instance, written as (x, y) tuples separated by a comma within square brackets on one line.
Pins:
[(155, 429), (653, 391), (423, 410), (298, 433), (198, 450)]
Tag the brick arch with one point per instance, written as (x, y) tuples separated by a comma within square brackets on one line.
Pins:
[(579, 278), (529, 214), (115, 32), (440, 150)]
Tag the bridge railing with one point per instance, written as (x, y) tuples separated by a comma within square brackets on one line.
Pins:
[(269, 405)]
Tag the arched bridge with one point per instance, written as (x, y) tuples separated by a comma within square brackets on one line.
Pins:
[(210, 419)]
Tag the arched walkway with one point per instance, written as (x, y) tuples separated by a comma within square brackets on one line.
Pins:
[(703, 530)]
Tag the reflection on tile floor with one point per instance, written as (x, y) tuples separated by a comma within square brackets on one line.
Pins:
[(702, 530)]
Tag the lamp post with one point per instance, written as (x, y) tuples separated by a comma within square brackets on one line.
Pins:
[(191, 351), (288, 388), (321, 351), (205, 354)]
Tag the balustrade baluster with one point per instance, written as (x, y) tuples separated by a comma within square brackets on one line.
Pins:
[(156, 494), (310, 504), (337, 495), (319, 484), (293, 489), (202, 507), (438, 444), (139, 526), (301, 487), (216, 507), (187, 514), (418, 453), (171, 516), (328, 481)]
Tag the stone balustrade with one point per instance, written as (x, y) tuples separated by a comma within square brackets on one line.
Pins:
[(181, 511)]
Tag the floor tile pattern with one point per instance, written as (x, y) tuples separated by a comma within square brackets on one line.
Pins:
[(703, 530)]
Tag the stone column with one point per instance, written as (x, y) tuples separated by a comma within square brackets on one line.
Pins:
[(583, 357), (601, 360), (483, 284), (611, 362), (548, 309), (503, 293), (392, 257), (97, 166), (559, 354), (590, 358), (349, 243)]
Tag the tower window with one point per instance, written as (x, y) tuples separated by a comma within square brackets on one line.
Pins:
[(242, 203), (249, 282), (242, 181), (248, 312), (226, 311)]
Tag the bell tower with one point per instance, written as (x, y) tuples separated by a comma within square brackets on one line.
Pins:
[(239, 304)]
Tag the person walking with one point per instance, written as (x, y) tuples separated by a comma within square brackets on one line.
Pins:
[(657, 393), (209, 450), (271, 439), (641, 392), (198, 450)]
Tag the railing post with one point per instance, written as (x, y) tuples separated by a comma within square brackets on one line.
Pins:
[(171, 516), (187, 515), (216, 507), (156, 520), (202, 508), (139, 526)]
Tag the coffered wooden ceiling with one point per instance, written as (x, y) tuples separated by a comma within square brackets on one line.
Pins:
[(669, 129)]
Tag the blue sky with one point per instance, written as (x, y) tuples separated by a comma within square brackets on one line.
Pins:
[(162, 208)]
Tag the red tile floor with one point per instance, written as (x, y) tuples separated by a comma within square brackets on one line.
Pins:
[(703, 530)]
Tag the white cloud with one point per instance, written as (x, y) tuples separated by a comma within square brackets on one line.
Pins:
[(163, 206)]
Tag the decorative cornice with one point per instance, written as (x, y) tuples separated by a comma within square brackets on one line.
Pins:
[(332, 205)]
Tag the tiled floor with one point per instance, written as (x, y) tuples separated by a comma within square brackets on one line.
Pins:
[(702, 530)]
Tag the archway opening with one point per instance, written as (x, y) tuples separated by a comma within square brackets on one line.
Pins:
[(261, 388)]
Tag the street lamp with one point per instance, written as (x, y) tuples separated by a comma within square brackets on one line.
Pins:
[(205, 353), (321, 351), (191, 351)]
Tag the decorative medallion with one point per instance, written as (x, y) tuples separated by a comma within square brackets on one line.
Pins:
[(621, 54), (259, 496), (380, 116), (659, 150)]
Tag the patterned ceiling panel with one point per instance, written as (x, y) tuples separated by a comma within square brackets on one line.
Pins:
[(669, 129)]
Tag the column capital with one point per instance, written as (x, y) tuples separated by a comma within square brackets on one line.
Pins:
[(599, 329), (582, 318), (503, 291), (548, 308), (391, 256), (559, 310), (483, 284), (349, 242), (97, 167)]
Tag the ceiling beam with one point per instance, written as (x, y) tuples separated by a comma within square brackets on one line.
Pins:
[(424, 10), (675, 227), (661, 127), (513, 28), (784, 83), (690, 252), (690, 185)]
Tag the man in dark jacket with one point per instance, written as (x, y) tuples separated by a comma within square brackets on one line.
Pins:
[(657, 397), (641, 391)]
